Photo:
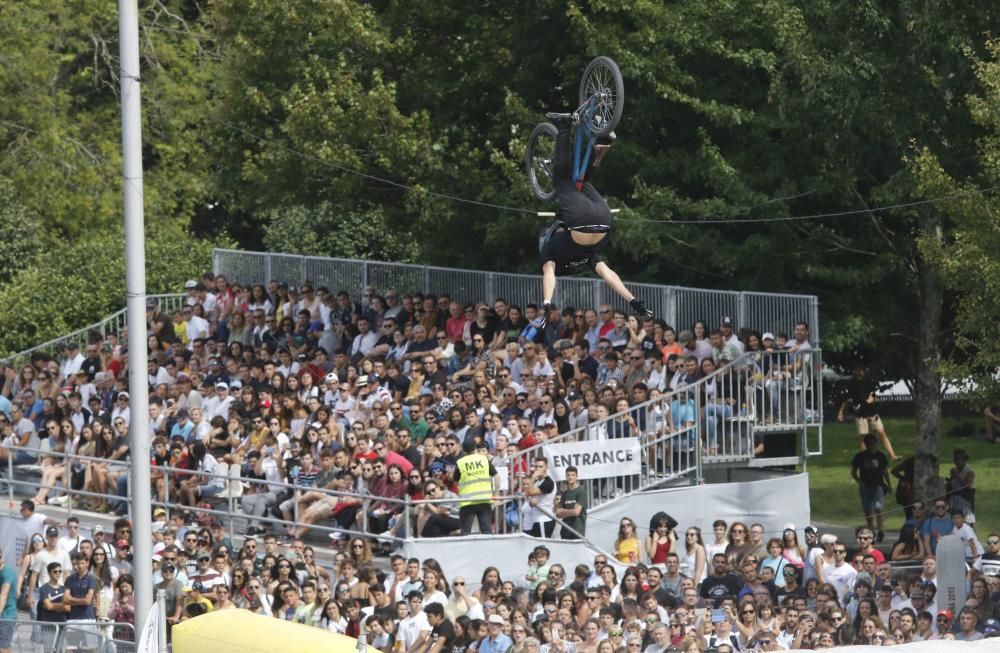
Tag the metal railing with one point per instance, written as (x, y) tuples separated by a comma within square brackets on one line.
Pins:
[(53, 637), (679, 306), (724, 418), (230, 499), (112, 324)]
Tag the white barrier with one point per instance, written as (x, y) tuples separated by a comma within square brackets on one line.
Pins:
[(771, 502)]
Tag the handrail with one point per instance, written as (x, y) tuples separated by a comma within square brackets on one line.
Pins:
[(406, 503), (82, 332)]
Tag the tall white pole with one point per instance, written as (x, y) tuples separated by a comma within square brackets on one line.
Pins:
[(135, 286)]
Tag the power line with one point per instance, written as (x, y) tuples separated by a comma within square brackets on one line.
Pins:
[(708, 221)]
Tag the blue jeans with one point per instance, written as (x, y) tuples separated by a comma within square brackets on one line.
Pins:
[(714, 415)]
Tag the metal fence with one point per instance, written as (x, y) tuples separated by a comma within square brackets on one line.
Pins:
[(101, 636), (677, 305), (114, 324)]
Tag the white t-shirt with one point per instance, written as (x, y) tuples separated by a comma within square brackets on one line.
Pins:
[(842, 579), (43, 558), (411, 627)]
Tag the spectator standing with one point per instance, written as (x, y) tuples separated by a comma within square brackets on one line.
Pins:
[(540, 490), (476, 477), (572, 506), (937, 525), (8, 604), (860, 396), (52, 608), (870, 470), (840, 574), (81, 588)]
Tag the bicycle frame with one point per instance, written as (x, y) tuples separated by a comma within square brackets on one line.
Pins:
[(582, 159)]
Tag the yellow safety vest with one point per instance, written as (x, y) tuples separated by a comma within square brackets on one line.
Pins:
[(474, 483)]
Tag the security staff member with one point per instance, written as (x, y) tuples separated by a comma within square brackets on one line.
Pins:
[(475, 474)]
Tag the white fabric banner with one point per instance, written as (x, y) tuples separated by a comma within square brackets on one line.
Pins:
[(149, 640), (604, 459), (772, 502)]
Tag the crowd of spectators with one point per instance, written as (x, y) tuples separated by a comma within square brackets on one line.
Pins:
[(376, 400), (735, 590), (309, 387)]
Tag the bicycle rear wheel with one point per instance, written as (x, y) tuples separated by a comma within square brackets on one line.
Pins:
[(539, 161), (602, 95)]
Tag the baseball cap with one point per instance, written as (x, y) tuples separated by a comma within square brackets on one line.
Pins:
[(789, 526), (946, 613), (190, 284), (362, 381), (121, 543), (573, 396), (727, 321), (222, 385), (159, 511), (197, 586), (810, 528), (332, 378), (51, 531), (767, 336), (495, 619)]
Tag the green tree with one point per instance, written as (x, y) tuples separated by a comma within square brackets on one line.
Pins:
[(339, 232), (19, 232), (78, 283)]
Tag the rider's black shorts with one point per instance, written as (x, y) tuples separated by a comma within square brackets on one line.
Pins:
[(557, 246)]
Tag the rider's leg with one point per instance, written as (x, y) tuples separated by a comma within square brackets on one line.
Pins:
[(612, 279), (548, 281), (562, 160)]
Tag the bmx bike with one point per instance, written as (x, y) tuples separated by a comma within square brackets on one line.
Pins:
[(601, 99)]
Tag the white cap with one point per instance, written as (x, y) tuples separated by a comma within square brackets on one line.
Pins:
[(788, 527), (222, 385), (190, 284), (767, 336), (495, 619), (332, 378)]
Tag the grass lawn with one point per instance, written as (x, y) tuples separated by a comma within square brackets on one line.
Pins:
[(834, 496)]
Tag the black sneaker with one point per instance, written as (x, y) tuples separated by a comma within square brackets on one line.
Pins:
[(640, 308), (879, 536), (561, 119)]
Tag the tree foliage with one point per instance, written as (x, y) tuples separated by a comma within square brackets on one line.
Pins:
[(76, 284), (339, 232)]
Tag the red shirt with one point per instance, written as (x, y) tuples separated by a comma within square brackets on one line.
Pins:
[(455, 326)]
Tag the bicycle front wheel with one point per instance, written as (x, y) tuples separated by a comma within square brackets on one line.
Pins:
[(602, 95), (541, 154)]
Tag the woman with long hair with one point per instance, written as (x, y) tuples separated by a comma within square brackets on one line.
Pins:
[(105, 574), (239, 332), (746, 620), (628, 548), (123, 609), (332, 619), (239, 591), (739, 545), (660, 541), (630, 586), (695, 557), (791, 550), (981, 592), (909, 546), (359, 552), (866, 608), (61, 437), (465, 636)]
